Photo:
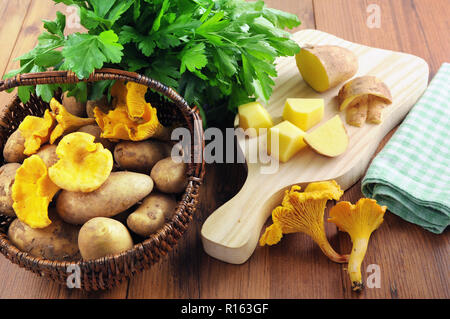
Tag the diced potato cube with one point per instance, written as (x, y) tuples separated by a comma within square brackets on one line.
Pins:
[(254, 116), (304, 113), (290, 140)]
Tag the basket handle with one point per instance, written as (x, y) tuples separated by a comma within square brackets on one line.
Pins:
[(191, 115)]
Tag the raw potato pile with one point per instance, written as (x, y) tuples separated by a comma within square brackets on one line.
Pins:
[(86, 179)]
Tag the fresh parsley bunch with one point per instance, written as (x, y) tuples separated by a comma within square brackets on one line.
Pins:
[(218, 54)]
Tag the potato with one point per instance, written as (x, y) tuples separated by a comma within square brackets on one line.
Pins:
[(7, 176), (151, 215), (48, 154), (101, 103), (119, 192), (101, 236), (14, 147), (58, 241), (325, 66), (140, 156), (96, 131), (330, 139), (164, 134), (73, 106), (254, 119), (169, 176)]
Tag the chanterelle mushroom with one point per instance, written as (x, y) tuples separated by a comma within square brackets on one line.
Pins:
[(359, 221), (304, 212), (83, 165), (136, 102), (364, 99), (118, 125), (36, 131), (32, 192), (67, 122), (132, 95)]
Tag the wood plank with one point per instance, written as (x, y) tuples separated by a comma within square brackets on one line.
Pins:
[(27, 38), (311, 273), (18, 283), (12, 15), (402, 250), (175, 276), (409, 26), (303, 9), (437, 40), (218, 279)]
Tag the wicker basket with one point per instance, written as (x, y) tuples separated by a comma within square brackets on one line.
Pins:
[(105, 273)]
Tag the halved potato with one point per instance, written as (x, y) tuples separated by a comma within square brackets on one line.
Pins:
[(325, 66)]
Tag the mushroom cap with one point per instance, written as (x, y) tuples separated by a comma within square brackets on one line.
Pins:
[(302, 211), (67, 122), (367, 85), (83, 165), (36, 131), (325, 190), (118, 125), (135, 99), (119, 93), (133, 118), (272, 235), (32, 192), (359, 220), (132, 95)]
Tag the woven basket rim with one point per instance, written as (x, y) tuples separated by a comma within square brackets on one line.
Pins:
[(149, 250)]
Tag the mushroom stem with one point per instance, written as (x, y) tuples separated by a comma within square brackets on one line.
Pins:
[(329, 251), (354, 264)]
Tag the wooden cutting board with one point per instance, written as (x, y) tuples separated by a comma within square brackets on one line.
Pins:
[(231, 233)]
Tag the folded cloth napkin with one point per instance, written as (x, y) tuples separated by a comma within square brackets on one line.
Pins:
[(411, 175)]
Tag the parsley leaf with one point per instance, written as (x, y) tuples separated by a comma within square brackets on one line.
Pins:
[(85, 52), (193, 57)]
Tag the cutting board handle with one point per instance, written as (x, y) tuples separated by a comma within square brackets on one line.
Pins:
[(231, 233)]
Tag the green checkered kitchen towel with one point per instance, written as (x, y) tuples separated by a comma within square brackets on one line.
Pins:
[(411, 175)]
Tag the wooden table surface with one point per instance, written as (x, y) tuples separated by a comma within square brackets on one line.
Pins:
[(413, 263)]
